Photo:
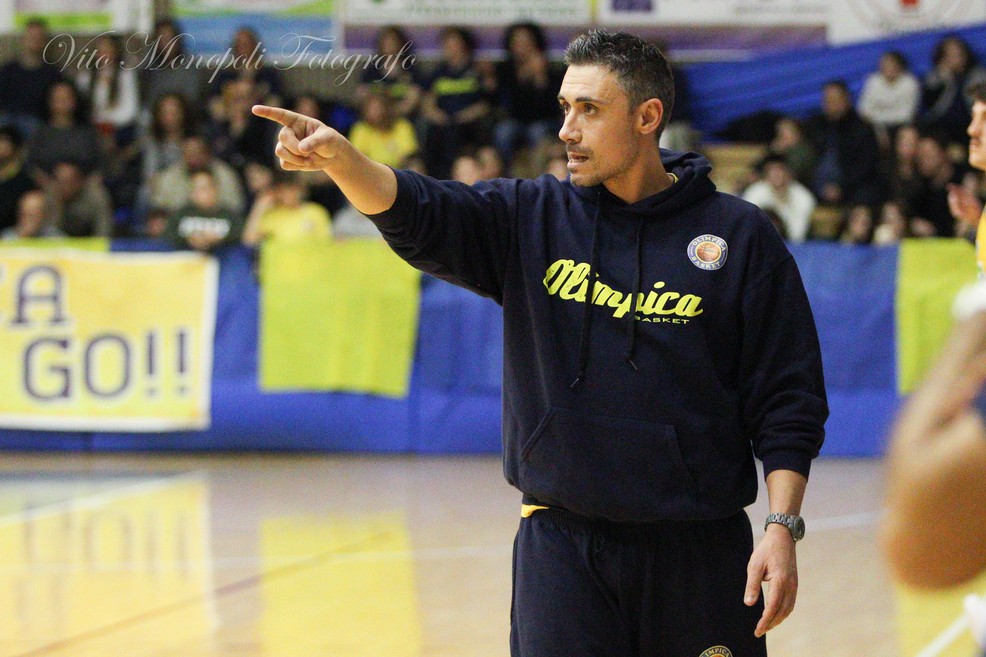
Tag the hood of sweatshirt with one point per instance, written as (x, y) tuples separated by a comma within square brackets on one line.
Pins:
[(691, 185)]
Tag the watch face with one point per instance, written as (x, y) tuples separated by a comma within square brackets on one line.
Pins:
[(798, 528)]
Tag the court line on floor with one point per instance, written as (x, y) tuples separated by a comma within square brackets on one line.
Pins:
[(101, 498), (948, 636), (833, 523), (204, 598)]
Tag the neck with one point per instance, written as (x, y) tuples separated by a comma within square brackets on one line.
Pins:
[(645, 177)]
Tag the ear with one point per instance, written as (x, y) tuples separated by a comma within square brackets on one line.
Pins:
[(649, 116)]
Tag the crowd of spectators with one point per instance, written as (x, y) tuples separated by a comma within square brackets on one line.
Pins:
[(174, 152)]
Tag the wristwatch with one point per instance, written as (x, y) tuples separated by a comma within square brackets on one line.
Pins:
[(794, 524)]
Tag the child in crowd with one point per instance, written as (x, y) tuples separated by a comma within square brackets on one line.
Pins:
[(381, 134), (282, 213), (893, 225), (33, 218), (204, 224), (858, 226)]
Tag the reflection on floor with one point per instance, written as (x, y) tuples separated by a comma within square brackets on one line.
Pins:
[(281, 556)]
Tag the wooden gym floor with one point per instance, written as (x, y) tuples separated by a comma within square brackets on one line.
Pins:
[(345, 556)]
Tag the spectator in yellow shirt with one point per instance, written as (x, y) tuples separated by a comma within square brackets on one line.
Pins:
[(281, 213), (380, 134)]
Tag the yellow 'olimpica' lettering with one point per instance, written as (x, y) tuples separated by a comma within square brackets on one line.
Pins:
[(568, 280)]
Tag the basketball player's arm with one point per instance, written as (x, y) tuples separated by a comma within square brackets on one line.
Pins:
[(774, 561), (307, 144), (933, 533)]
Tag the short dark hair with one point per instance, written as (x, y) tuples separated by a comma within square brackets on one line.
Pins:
[(898, 57), (640, 67), (466, 36), (977, 92), (537, 34)]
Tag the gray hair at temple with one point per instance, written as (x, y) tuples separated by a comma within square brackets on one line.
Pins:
[(640, 68)]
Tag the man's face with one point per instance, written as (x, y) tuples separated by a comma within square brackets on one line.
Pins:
[(196, 153), (34, 40), (930, 157), (31, 213), (977, 136), (777, 175), (598, 126), (69, 180), (835, 102)]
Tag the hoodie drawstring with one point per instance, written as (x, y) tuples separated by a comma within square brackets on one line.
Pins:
[(587, 309), (632, 329)]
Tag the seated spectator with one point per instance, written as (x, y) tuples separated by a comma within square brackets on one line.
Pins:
[(33, 219), (455, 108), (259, 178), (966, 207), (790, 143), (171, 189), (161, 72), (903, 166), (857, 225), (890, 97), (112, 92), (525, 86), (80, 202), (263, 79), (393, 73), (894, 224), (156, 223), (780, 192), (849, 154), (466, 170), (14, 181), (382, 135), (171, 122), (238, 136), (928, 199), (282, 214), (490, 164), (944, 99), (26, 81), (65, 136), (415, 163), (205, 223)]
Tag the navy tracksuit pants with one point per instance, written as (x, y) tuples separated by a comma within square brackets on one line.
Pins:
[(588, 588)]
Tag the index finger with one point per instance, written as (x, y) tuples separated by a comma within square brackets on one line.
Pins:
[(285, 117)]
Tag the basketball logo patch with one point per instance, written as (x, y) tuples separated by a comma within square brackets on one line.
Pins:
[(708, 252), (717, 651)]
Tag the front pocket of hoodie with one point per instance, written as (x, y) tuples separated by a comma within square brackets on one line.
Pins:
[(601, 466)]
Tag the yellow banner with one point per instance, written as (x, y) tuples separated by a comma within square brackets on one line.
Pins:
[(106, 341), (339, 316)]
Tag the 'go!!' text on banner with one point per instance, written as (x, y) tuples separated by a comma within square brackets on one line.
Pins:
[(106, 341)]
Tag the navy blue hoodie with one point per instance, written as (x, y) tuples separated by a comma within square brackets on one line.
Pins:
[(631, 414)]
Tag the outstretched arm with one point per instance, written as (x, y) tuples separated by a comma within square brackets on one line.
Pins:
[(307, 144), (933, 533)]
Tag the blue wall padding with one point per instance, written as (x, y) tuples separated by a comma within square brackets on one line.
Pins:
[(790, 82), (453, 405), (851, 290)]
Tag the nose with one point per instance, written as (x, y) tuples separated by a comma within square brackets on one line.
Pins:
[(568, 133)]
